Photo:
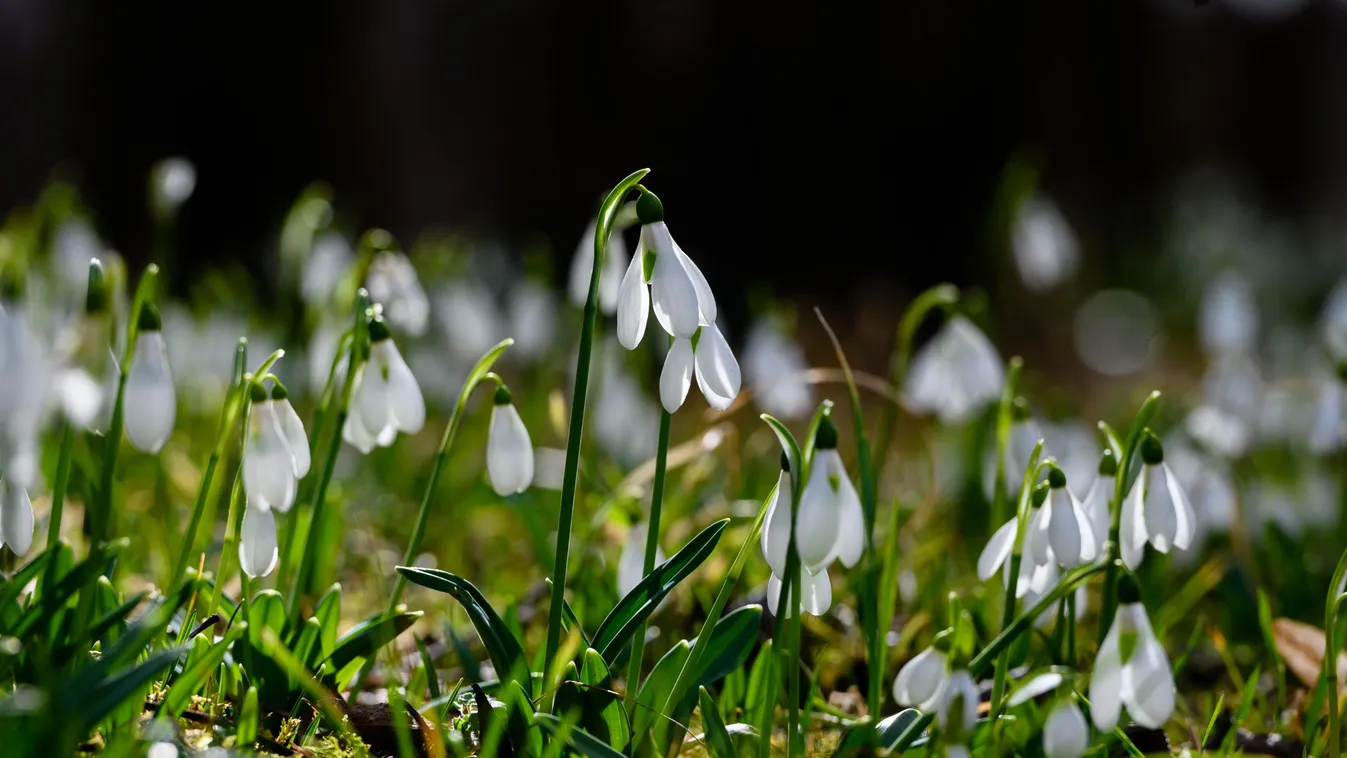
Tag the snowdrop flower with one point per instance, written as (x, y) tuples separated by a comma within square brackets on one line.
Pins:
[(921, 680), (775, 367), (1333, 322), (392, 282), (509, 452), (1156, 511), (386, 398), (329, 258), (532, 310), (678, 291), (16, 518), (1045, 247), (1227, 322), (615, 260), (172, 181), (831, 523), (75, 244), (1096, 501), (1065, 733), (1065, 527), (708, 356), (1025, 433), (269, 464), (292, 429), (469, 318), (1131, 669), (258, 548), (816, 593), (775, 538), (150, 402), (957, 709), (1328, 433), (631, 564), (625, 421), (954, 374)]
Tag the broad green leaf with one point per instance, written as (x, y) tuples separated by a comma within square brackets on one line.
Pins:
[(84, 575), (637, 606), (890, 728), (306, 645), (245, 729), (428, 665), (200, 665), (368, 636), (10, 589), (328, 613), (88, 707), (503, 648), (717, 738), (267, 612), (655, 690), (764, 688), (595, 673), (571, 620), (523, 730), (730, 644), (581, 741)]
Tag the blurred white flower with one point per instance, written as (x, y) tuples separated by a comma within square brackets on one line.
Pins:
[(322, 349), (258, 548), (615, 260), (392, 283), (1210, 489), (775, 368), (1227, 322), (1131, 669), (172, 181), (509, 451), (955, 374), (150, 401), (1329, 430), (1333, 322), (75, 244), (549, 465), (1116, 332), (708, 356), (625, 421), (1044, 245), (1065, 733), (957, 710), (921, 680), (329, 259), (532, 310), (631, 564), (16, 518), (385, 399), (469, 318)]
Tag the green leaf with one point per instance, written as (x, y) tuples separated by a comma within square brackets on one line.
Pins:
[(763, 688), (428, 666), (267, 612), (197, 672), (523, 729), (730, 644), (245, 730), (328, 613), (506, 654), (368, 636), (87, 708), (890, 728), (637, 606), (595, 673), (655, 691), (306, 646), (717, 737), (581, 741), (571, 619), (84, 575)]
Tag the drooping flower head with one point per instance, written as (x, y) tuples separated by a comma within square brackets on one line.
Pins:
[(386, 398), (1065, 527), (269, 465), (831, 522), (957, 708), (509, 451), (921, 680), (1065, 732), (955, 374), (16, 518), (1131, 669), (150, 403), (1157, 510), (1096, 501), (392, 282)]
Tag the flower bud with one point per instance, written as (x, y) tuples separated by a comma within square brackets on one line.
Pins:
[(1056, 479), (1152, 452), (826, 436), (96, 299), (649, 209), (1108, 465)]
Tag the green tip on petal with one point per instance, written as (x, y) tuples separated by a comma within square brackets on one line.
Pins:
[(826, 436), (148, 319), (502, 395), (1020, 410), (1056, 479), (378, 330), (96, 299), (785, 462), (279, 392), (1129, 591), (1152, 452), (257, 393), (1108, 465), (1040, 494), (649, 209)]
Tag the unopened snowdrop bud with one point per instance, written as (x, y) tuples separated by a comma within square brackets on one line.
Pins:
[(97, 297), (292, 428), (258, 550), (776, 524), (957, 712), (150, 401), (16, 518), (921, 680), (820, 530), (955, 374), (386, 398), (268, 463), (1156, 511), (1065, 733), (509, 452), (1067, 528), (1131, 668)]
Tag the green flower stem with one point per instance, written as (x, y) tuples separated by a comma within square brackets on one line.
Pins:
[(978, 666), (1003, 421), (1120, 482), (359, 340), (603, 229), (651, 546), (231, 544), (228, 417), (1023, 508), (1331, 607), (59, 487), (786, 639), (939, 296), (1071, 630)]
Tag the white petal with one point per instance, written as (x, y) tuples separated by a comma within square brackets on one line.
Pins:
[(1064, 532), (672, 291), (1065, 733), (718, 374), (633, 302), (776, 526), (582, 267), (1038, 544), (295, 437), (268, 464), (1183, 510), (706, 302), (509, 452), (1148, 684), (921, 679), (406, 406), (676, 377), (1106, 682), (356, 435), (1162, 521), (81, 397), (817, 592), (257, 542), (371, 398), (957, 751), (958, 711), (1096, 507), (818, 513), (851, 527), (16, 519), (997, 550), (150, 403), (773, 594), (1133, 527)]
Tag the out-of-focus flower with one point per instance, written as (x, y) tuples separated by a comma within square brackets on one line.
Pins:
[(469, 318), (172, 181), (615, 260), (150, 400), (258, 549), (1044, 245), (631, 564), (532, 311), (1116, 332), (957, 712), (1227, 322), (509, 451), (921, 680), (775, 368), (75, 244), (392, 283), (330, 257), (625, 421), (1065, 733), (955, 374), (268, 459), (16, 518), (386, 398)]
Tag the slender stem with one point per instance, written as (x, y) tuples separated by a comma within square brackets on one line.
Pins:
[(58, 498), (231, 546), (602, 230), (1331, 606), (651, 547), (1071, 629)]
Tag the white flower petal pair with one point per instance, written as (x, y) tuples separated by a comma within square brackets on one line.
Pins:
[(712, 362), (816, 593), (1067, 529), (386, 400), (954, 374), (275, 455), (1131, 670), (831, 520), (16, 518), (509, 451), (921, 680), (1158, 512), (957, 710), (679, 293), (150, 403)]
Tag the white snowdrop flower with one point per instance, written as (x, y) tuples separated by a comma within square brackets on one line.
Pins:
[(322, 350), (1025, 433), (829, 523), (1227, 318), (1065, 526), (775, 368), (1065, 732), (392, 282), (1220, 432), (921, 680), (625, 421), (1131, 668), (816, 593), (707, 356), (330, 257), (679, 293), (172, 181), (258, 549), (509, 452), (16, 518), (615, 260), (162, 750), (998, 549), (150, 402), (81, 397), (957, 709), (292, 428), (775, 536), (631, 564), (548, 467), (1096, 501), (268, 463), (469, 318), (532, 311), (1156, 511), (1044, 245), (386, 398), (955, 374)]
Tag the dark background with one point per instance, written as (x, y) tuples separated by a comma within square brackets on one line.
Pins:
[(862, 140)]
